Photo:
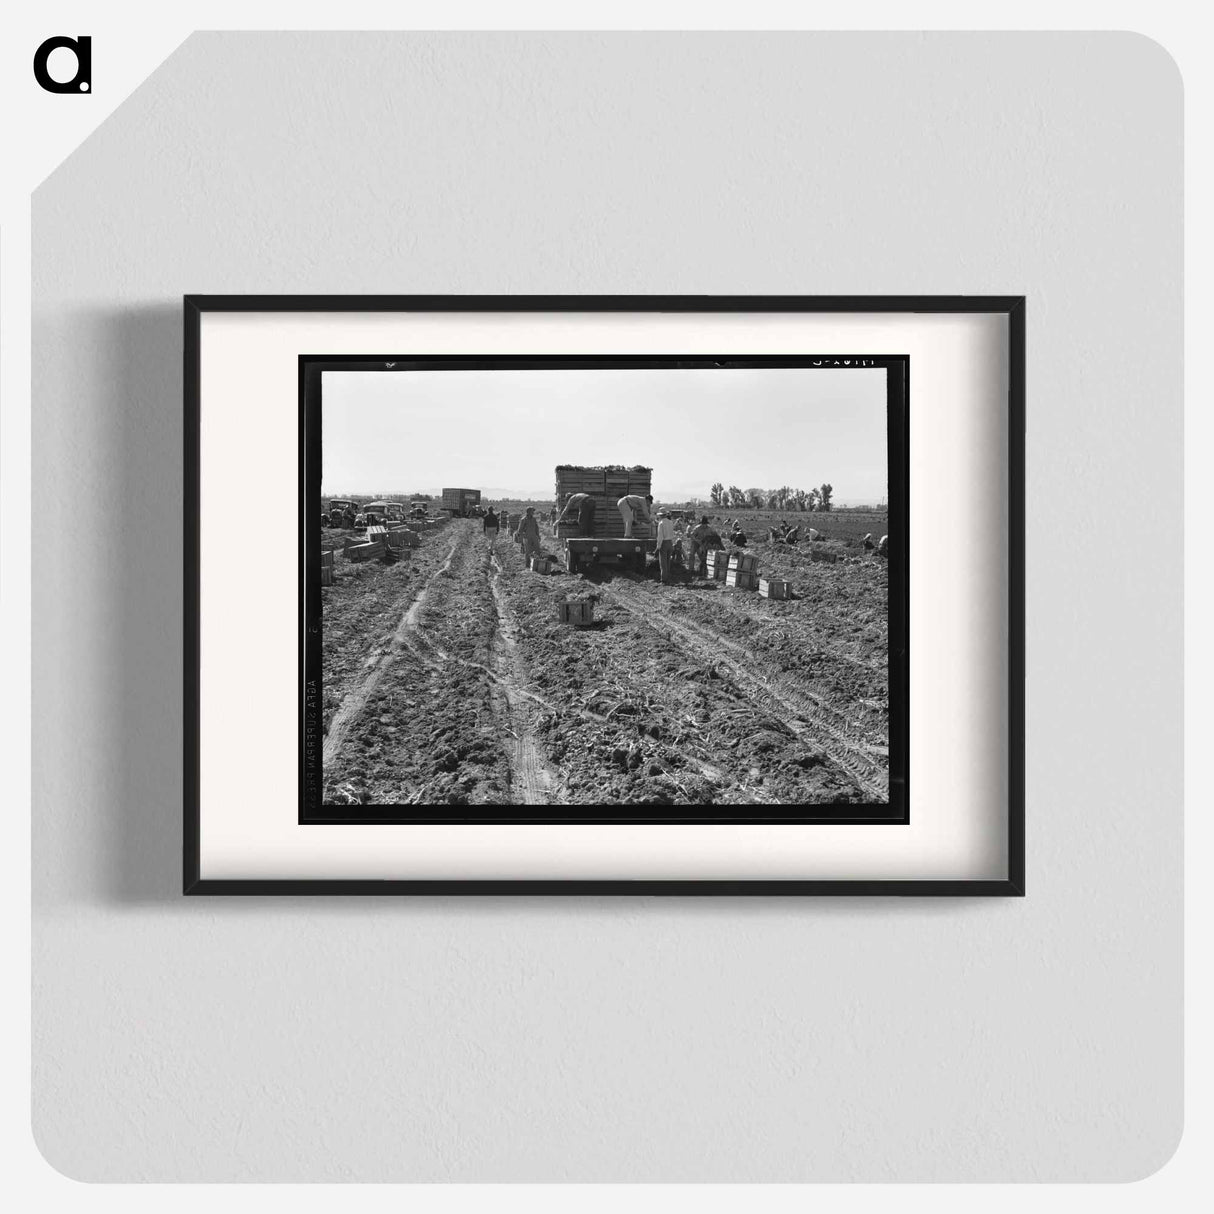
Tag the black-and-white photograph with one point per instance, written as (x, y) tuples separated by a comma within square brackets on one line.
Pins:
[(631, 584)]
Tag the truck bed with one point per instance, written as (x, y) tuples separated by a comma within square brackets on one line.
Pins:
[(589, 550)]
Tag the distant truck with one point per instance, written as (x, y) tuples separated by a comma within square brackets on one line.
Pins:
[(606, 486), (374, 513), (460, 503), (338, 509)]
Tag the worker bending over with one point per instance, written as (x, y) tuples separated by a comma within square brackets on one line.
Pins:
[(633, 507), (703, 537), (579, 506)]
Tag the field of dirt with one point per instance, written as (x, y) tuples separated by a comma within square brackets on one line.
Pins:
[(449, 680)]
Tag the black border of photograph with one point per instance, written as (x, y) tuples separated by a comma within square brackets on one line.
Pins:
[(890, 812)]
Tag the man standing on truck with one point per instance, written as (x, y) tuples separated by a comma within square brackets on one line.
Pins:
[(529, 530), (581, 507), (632, 507)]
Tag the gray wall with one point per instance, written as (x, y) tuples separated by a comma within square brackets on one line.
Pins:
[(631, 1039)]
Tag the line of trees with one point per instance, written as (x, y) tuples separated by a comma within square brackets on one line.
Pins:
[(784, 498)]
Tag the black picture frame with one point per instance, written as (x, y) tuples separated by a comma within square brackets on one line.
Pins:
[(1012, 307)]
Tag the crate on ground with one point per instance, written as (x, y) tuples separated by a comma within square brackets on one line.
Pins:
[(401, 539), (821, 554), (326, 557), (542, 564), (773, 588), (742, 580), (375, 533), (326, 575), (578, 612), (718, 564), (743, 562), (366, 552)]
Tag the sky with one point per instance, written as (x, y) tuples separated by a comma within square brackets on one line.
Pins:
[(504, 431)]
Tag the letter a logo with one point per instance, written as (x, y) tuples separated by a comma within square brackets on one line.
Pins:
[(82, 81)]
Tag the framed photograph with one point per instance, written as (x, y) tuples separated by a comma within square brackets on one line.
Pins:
[(604, 595)]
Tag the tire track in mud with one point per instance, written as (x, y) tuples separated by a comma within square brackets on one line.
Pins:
[(805, 713), (357, 698), (532, 778)]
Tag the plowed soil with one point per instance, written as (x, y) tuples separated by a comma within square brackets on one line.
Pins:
[(449, 680)]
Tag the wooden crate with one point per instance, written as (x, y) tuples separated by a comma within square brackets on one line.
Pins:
[(772, 588), (742, 580), (366, 552), (326, 575), (578, 612), (541, 564), (743, 562), (818, 554), (718, 565), (326, 557)]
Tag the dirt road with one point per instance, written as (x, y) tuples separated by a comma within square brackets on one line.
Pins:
[(451, 681)]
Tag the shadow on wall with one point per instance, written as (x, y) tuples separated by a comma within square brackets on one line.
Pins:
[(110, 627), (140, 617)]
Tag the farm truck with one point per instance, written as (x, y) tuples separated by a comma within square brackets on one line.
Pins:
[(337, 512), (607, 543), (460, 502)]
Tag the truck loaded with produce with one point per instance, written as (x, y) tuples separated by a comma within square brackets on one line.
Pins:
[(604, 515)]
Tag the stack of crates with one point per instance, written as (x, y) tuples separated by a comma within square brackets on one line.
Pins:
[(743, 571), (718, 564), (606, 486), (326, 567)]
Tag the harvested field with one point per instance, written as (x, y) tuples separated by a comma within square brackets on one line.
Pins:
[(448, 679)]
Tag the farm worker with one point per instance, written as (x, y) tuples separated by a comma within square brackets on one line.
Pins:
[(633, 507), (529, 532), (703, 537), (814, 534), (664, 545), (349, 516), (737, 536), (868, 542), (490, 524), (579, 506), (883, 546)]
